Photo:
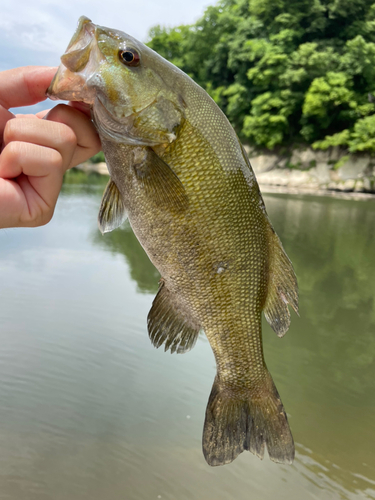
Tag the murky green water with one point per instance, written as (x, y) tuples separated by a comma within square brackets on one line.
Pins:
[(89, 410)]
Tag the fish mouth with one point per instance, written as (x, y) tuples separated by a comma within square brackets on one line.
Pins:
[(78, 65)]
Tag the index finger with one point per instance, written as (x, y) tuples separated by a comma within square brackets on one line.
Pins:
[(24, 86)]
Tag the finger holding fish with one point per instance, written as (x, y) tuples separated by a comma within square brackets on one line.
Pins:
[(36, 152)]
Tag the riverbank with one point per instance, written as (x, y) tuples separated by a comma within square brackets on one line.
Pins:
[(304, 171), (343, 195), (332, 172)]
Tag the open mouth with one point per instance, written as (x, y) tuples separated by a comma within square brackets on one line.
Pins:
[(78, 64), (77, 54)]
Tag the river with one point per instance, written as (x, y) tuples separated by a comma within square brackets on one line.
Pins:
[(89, 410)]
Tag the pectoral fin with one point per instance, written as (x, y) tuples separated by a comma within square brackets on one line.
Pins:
[(282, 287), (170, 323), (112, 211), (159, 181)]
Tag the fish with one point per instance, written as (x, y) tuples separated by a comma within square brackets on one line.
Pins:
[(181, 176)]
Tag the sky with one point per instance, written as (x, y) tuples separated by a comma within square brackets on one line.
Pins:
[(36, 32)]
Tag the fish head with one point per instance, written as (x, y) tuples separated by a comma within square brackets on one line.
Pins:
[(124, 82)]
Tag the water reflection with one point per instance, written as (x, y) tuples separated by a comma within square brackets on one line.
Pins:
[(332, 245), (332, 346), (123, 241), (89, 410)]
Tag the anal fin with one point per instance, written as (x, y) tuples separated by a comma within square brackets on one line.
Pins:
[(170, 323), (282, 287)]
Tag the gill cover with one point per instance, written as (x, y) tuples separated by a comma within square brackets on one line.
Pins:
[(131, 103)]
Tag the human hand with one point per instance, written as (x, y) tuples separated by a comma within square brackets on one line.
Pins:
[(37, 149)]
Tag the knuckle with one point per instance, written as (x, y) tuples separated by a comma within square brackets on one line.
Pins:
[(13, 152), (40, 217), (56, 160), (10, 131), (67, 140), (46, 217), (61, 114), (70, 138)]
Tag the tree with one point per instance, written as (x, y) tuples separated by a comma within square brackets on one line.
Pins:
[(284, 71)]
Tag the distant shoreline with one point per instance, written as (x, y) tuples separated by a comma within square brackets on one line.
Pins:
[(322, 173), (279, 181), (344, 195)]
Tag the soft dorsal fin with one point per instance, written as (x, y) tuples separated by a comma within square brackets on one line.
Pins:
[(170, 323), (112, 211), (282, 287), (159, 181)]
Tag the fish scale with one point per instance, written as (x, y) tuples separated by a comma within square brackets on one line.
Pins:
[(180, 174)]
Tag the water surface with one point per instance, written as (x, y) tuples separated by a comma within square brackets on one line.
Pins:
[(90, 410)]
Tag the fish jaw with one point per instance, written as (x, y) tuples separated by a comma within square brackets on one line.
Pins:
[(79, 66)]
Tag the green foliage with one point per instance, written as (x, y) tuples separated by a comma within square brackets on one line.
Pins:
[(339, 139), (284, 71), (268, 122), (341, 162), (328, 101), (84, 179), (363, 136), (98, 158)]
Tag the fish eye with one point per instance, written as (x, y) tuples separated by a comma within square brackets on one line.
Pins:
[(130, 57)]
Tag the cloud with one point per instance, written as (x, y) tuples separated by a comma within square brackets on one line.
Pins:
[(45, 27), (36, 32)]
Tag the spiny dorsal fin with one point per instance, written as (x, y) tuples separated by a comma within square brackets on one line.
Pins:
[(170, 323), (112, 211), (282, 287), (159, 181)]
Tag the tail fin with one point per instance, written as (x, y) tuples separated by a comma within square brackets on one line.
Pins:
[(234, 425)]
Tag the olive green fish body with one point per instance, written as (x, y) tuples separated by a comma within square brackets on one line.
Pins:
[(179, 172), (212, 253)]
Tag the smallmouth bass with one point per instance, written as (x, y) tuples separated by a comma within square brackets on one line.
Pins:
[(181, 176)]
